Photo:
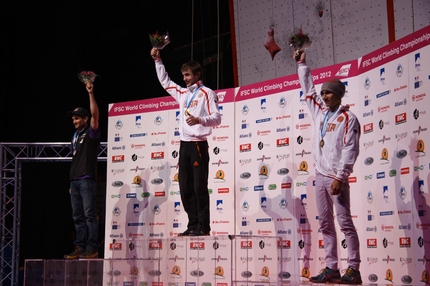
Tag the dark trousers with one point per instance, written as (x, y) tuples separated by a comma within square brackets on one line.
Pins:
[(83, 199), (193, 183)]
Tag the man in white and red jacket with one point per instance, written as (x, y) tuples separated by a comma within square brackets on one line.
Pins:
[(198, 113), (335, 149)]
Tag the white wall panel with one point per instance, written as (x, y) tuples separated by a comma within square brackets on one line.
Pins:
[(403, 18), (252, 20), (320, 30), (359, 27), (341, 30), (421, 13)]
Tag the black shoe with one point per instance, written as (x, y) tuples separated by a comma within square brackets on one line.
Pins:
[(351, 276), (187, 232), (326, 275), (199, 233)]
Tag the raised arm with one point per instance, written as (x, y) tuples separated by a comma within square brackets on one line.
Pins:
[(94, 108)]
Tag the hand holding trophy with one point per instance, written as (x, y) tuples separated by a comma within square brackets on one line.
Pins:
[(299, 42)]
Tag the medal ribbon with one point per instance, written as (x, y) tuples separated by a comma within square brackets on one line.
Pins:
[(194, 95), (325, 121), (75, 138)]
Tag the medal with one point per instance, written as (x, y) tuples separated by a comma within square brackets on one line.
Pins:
[(324, 125), (187, 112)]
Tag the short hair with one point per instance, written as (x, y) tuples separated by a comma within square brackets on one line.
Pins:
[(194, 67)]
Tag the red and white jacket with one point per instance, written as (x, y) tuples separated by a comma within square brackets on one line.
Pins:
[(342, 132), (204, 105)]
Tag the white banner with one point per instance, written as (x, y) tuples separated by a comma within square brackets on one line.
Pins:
[(261, 179)]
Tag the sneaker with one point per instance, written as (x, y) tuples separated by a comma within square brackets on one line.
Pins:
[(89, 254), (351, 276), (186, 233), (326, 275), (75, 253), (199, 233)]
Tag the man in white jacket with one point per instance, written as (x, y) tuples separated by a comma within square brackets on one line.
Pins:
[(199, 112), (335, 150)]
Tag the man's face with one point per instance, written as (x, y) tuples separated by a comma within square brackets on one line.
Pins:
[(330, 99), (79, 122), (190, 78)]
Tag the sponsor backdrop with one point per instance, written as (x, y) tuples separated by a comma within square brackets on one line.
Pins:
[(262, 180)]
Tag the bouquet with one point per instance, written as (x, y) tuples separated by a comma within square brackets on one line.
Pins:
[(159, 41), (87, 76), (300, 41)]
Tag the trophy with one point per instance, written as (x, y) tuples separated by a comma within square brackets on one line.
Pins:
[(159, 41), (299, 41), (87, 76)]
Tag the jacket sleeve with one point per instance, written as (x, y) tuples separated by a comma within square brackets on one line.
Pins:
[(313, 101), (350, 150), (170, 86)]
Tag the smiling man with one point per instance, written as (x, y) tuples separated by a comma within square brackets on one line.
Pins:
[(198, 113), (83, 174), (335, 150)]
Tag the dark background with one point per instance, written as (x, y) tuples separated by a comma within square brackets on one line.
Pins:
[(46, 44)]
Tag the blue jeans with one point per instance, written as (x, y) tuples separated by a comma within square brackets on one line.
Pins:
[(83, 199)]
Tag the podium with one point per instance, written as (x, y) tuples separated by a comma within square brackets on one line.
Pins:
[(178, 261)]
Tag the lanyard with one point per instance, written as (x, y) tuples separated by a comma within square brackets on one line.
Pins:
[(191, 99), (76, 138), (325, 121)]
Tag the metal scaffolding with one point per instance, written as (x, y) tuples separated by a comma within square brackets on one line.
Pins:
[(12, 155)]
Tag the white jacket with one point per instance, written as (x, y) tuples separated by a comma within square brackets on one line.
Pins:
[(341, 141), (204, 106)]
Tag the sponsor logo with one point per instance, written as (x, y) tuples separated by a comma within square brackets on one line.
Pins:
[(157, 155), (117, 184), (245, 175), (382, 94), (281, 142), (372, 243), (118, 159), (367, 128), (400, 118), (245, 147), (404, 242)]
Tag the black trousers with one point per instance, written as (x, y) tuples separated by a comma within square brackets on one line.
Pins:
[(193, 183)]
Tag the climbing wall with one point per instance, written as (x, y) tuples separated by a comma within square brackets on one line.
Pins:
[(341, 30)]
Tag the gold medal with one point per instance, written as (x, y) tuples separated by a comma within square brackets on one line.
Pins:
[(322, 143), (187, 112)]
